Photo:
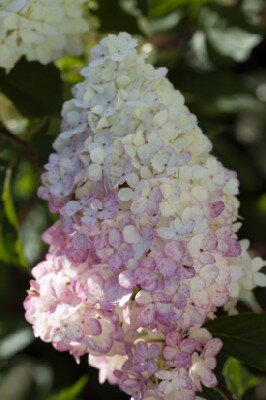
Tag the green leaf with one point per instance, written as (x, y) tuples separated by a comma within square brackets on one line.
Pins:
[(243, 336), (238, 379), (135, 8), (10, 245), (9, 207), (159, 7), (7, 231), (229, 36), (7, 243), (41, 141), (233, 42), (164, 23), (212, 394), (140, 11), (114, 18), (18, 381), (72, 392), (220, 16), (15, 342), (217, 92), (34, 88)]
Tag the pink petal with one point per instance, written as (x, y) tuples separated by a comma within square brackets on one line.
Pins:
[(188, 345), (127, 280), (72, 207), (216, 208), (147, 315), (175, 249), (219, 294), (186, 272), (201, 299), (213, 347), (169, 353), (93, 327), (173, 338), (165, 387), (234, 248), (167, 267)]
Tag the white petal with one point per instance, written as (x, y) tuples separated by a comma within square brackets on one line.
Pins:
[(260, 279), (131, 234)]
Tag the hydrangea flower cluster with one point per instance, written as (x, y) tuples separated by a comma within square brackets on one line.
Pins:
[(42, 30), (145, 249)]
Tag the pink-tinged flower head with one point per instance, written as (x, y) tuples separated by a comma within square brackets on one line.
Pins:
[(145, 248)]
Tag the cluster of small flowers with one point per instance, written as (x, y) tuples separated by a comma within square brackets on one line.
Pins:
[(42, 30), (145, 249)]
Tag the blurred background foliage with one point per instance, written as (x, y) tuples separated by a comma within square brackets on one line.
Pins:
[(216, 55)]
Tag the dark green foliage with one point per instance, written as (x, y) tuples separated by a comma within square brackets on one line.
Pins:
[(35, 89), (238, 379), (243, 336), (213, 394)]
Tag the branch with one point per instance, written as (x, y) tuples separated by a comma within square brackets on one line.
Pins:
[(225, 392), (25, 151), (11, 136)]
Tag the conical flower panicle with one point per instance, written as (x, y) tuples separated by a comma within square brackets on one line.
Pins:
[(145, 249)]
